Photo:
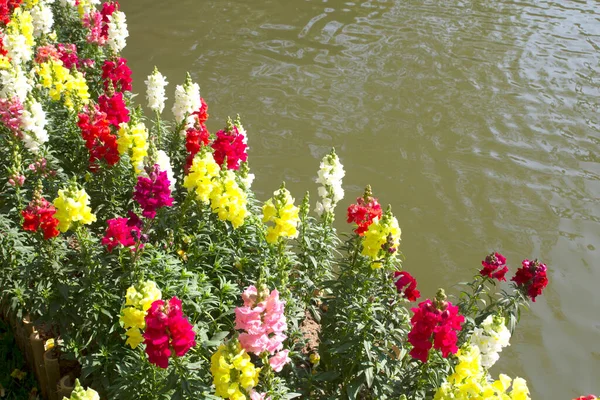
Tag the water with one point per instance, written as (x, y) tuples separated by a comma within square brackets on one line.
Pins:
[(477, 120)]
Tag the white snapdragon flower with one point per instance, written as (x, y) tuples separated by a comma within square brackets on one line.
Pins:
[(68, 3), (155, 92), (43, 19), (187, 100), (164, 164), (247, 180), (330, 177), (14, 83), (117, 31), (18, 49), (33, 123), (491, 338)]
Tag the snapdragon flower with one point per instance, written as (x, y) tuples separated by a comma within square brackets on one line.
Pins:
[(168, 331), (33, 124), (469, 381), (200, 180), (382, 239), (155, 91), (283, 214), (18, 40), (434, 324), (187, 100), (153, 192), (330, 177), (43, 18), (39, 215), (233, 371), (133, 139), (228, 200), (117, 32), (531, 278), (72, 206), (14, 83), (137, 303), (164, 163), (364, 211), (62, 84), (262, 320), (81, 394), (490, 338)]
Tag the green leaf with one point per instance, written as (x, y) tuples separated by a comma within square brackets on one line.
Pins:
[(369, 376), (327, 376), (354, 387)]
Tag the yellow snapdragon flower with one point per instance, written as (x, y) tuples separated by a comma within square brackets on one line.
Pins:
[(469, 381), (21, 23), (29, 4), (281, 211), (80, 394), (133, 316), (202, 177), (72, 206), (133, 139), (62, 84), (233, 370), (376, 240), (228, 200)]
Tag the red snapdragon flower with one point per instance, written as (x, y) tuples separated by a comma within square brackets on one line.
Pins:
[(39, 214), (229, 144), (406, 285), (182, 335), (201, 114), (115, 108), (124, 231), (494, 266), (588, 397), (118, 73), (195, 138), (167, 329), (531, 278), (100, 142), (68, 55), (364, 212), (108, 9), (6, 9), (434, 325)]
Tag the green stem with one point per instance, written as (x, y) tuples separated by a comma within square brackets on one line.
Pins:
[(158, 132)]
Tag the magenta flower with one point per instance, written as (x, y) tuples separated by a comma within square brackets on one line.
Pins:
[(153, 192)]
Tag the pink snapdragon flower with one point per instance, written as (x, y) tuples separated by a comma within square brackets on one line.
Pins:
[(263, 321), (11, 111), (279, 360)]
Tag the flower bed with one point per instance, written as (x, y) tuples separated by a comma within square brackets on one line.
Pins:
[(139, 246)]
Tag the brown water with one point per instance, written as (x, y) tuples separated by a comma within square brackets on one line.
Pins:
[(477, 120)]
